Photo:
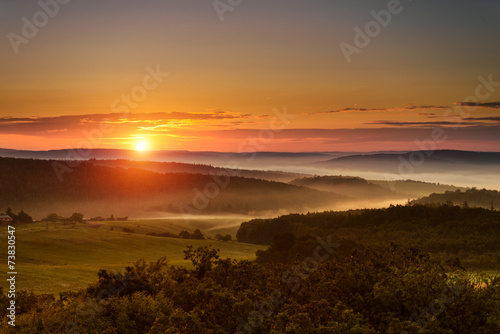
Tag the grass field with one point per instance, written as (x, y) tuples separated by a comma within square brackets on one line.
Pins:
[(58, 257)]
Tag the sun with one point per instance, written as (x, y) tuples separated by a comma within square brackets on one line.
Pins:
[(141, 146)]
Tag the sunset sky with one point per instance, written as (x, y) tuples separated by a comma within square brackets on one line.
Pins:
[(171, 75)]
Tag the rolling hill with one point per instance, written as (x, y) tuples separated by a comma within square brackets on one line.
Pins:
[(350, 186), (33, 186), (472, 234), (63, 257), (179, 167), (483, 198), (243, 160)]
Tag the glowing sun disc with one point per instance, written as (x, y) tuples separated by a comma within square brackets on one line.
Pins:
[(141, 146)]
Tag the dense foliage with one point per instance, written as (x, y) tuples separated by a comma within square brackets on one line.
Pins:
[(54, 218), (471, 197), (331, 272), (472, 234), (321, 291)]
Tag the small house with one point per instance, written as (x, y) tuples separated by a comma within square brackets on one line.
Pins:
[(5, 218)]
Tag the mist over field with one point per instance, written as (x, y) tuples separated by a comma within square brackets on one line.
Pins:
[(142, 189)]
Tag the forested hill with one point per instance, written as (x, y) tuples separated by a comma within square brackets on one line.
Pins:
[(471, 197), (471, 233), (348, 185), (33, 186), (179, 167)]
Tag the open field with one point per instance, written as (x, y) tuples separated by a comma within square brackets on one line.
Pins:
[(67, 256)]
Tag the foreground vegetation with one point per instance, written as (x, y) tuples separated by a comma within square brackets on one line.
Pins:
[(321, 291), (334, 272)]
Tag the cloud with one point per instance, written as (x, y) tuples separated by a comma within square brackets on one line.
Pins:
[(395, 109), (227, 130), (426, 106), (493, 105), (358, 139), (426, 124), (355, 110), (428, 114), (469, 121), (50, 126), (489, 119)]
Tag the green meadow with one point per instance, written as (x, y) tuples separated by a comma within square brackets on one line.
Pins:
[(56, 257)]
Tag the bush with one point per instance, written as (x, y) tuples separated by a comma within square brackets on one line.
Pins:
[(221, 237)]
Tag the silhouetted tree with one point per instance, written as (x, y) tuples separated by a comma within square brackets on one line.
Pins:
[(76, 217), (221, 237), (185, 235), (197, 235), (53, 218), (23, 217)]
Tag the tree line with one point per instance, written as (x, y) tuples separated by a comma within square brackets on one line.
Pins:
[(473, 197), (449, 231)]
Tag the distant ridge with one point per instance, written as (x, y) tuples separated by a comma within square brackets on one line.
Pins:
[(393, 162), (418, 161), (454, 156), (159, 155), (250, 159)]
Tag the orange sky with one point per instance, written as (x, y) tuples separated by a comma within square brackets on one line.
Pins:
[(105, 64)]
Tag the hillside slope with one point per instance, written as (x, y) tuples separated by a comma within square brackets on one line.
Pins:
[(473, 234), (483, 198), (33, 186)]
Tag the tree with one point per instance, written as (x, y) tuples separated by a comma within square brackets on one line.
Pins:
[(76, 217), (283, 242), (221, 237), (202, 258), (23, 217), (185, 235), (198, 235), (11, 215), (53, 218)]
